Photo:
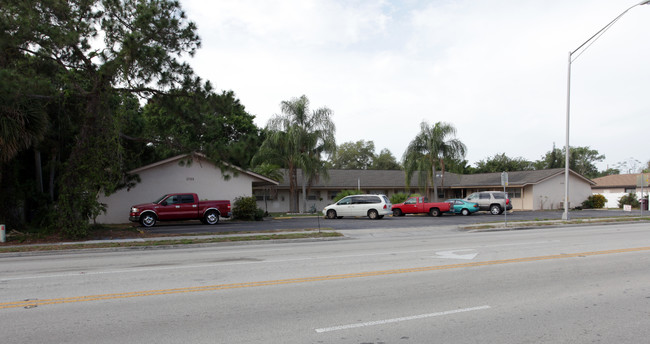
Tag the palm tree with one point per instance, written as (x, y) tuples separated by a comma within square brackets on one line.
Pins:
[(297, 139), (429, 148)]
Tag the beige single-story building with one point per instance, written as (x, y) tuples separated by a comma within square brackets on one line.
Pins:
[(183, 173), (618, 185), (528, 190)]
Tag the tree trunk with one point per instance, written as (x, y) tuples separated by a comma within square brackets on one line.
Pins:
[(38, 170), (304, 191), (52, 174), (435, 187)]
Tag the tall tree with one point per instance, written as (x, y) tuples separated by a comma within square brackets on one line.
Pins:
[(385, 161), (501, 162), (582, 160), (297, 139), (429, 149), (216, 125), (97, 51), (354, 155)]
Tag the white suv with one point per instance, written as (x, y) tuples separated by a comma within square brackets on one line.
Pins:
[(493, 201), (373, 206)]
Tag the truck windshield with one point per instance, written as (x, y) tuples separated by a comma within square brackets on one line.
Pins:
[(160, 199)]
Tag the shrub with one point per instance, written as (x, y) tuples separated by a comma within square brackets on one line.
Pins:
[(594, 202), (398, 198), (630, 199), (245, 208), (345, 193)]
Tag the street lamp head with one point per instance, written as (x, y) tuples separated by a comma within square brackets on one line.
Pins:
[(644, 2)]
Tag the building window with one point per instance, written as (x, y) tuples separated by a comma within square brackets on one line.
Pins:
[(514, 192), (630, 190)]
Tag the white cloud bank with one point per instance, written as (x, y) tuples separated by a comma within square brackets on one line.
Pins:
[(495, 69)]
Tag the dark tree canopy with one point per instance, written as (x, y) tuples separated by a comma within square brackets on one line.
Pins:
[(71, 70), (501, 162)]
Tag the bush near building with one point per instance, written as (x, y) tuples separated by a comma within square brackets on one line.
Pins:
[(630, 199), (245, 208), (594, 202)]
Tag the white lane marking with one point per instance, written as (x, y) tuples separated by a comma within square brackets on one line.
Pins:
[(394, 320), (455, 255), (195, 266)]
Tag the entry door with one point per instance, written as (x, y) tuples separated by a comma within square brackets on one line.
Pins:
[(172, 210)]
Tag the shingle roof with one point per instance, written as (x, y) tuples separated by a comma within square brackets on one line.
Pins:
[(343, 179), (616, 180)]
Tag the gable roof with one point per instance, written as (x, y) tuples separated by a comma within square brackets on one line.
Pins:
[(515, 178), (391, 179), (616, 181), (261, 180)]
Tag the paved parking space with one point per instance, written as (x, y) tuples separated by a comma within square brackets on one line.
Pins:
[(409, 221)]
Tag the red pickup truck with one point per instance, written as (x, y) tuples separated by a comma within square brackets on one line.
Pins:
[(416, 205), (179, 206)]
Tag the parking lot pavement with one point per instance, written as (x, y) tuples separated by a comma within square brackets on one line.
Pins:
[(447, 221)]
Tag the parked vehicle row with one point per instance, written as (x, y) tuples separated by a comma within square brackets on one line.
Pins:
[(377, 206)]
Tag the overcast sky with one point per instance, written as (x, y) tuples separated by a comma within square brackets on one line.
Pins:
[(495, 69)]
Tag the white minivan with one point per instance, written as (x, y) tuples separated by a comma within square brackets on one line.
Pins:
[(373, 206)]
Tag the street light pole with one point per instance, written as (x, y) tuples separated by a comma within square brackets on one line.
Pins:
[(581, 49)]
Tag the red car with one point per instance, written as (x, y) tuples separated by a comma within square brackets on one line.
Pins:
[(177, 207), (416, 205)]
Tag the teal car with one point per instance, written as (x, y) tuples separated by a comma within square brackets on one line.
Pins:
[(461, 206)]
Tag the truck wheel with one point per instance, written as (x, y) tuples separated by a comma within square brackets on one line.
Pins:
[(464, 212), (373, 214), (397, 212), (211, 217), (495, 209), (434, 212), (331, 214), (148, 220)]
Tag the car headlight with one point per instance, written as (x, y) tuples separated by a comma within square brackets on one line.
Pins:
[(134, 209)]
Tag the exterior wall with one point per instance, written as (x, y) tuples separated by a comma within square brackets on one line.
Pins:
[(200, 177), (614, 197), (549, 194), (528, 196)]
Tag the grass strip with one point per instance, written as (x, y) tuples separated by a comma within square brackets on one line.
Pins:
[(170, 242)]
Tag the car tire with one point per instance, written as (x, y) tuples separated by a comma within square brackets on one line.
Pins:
[(331, 214), (397, 212), (495, 209), (435, 212), (373, 214), (211, 217), (465, 212), (148, 220)]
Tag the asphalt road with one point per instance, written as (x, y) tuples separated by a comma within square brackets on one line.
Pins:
[(409, 221), (408, 285)]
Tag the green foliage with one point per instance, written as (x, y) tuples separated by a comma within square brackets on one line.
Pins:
[(70, 96), (501, 162), (429, 149), (344, 193), (385, 161), (354, 155), (216, 125), (297, 139), (245, 208), (594, 202), (582, 160), (630, 199), (399, 197)]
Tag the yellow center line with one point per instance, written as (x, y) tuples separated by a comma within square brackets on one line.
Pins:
[(34, 303)]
